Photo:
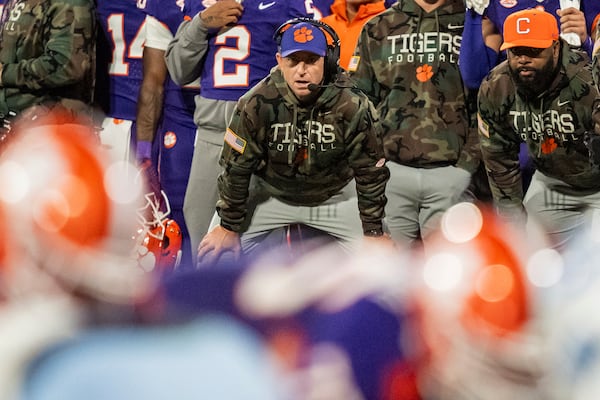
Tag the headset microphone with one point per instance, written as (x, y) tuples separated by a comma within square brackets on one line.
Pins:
[(313, 87)]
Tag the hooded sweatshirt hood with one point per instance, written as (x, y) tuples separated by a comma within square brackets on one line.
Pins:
[(350, 30)]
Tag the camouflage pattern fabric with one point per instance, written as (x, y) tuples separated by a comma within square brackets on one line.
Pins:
[(555, 125), (304, 154), (596, 58), (407, 63), (47, 49)]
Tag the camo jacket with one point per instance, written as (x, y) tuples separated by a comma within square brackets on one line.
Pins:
[(406, 61), (555, 125), (47, 49), (304, 154)]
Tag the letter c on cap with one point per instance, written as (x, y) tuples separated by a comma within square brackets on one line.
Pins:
[(521, 30)]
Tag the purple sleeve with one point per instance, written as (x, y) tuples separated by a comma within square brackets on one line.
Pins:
[(474, 48)]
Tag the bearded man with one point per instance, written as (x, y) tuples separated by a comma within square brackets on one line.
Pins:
[(543, 95)]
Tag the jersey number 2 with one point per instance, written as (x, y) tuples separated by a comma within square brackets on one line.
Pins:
[(241, 75)]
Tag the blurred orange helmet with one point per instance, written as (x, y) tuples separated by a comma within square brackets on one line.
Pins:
[(479, 310), (72, 207), (476, 268)]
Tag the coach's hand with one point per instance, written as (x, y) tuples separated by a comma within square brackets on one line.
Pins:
[(222, 13), (216, 242), (383, 240)]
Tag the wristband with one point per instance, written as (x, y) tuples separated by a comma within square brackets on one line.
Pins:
[(588, 46), (143, 150), (226, 226), (374, 233)]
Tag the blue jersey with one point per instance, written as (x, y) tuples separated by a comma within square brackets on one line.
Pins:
[(321, 8), (242, 55), (169, 12), (178, 103), (119, 56)]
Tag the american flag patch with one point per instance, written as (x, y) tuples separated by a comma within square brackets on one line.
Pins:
[(353, 64), (236, 142), (483, 127)]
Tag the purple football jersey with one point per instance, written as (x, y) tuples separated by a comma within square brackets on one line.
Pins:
[(240, 56), (169, 12), (321, 8), (120, 48), (178, 103)]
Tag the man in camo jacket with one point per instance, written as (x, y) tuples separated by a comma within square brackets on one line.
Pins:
[(406, 61), (302, 146), (543, 95), (47, 54)]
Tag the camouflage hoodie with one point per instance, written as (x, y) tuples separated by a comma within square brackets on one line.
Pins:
[(47, 51), (304, 153), (553, 125), (407, 63)]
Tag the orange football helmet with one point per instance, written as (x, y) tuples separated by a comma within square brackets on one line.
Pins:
[(159, 239), (72, 208)]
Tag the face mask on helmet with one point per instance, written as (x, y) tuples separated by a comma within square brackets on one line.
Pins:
[(158, 242)]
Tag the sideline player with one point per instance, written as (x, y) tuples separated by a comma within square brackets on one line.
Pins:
[(119, 72), (165, 114)]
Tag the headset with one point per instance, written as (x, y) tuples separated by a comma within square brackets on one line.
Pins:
[(332, 56)]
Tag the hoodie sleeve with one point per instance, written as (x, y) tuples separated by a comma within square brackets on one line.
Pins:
[(240, 157), (470, 155), (368, 163), (68, 48), (186, 52), (473, 48), (500, 148)]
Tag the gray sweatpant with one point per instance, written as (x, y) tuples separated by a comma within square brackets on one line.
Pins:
[(338, 216), (418, 197), (559, 214), (212, 118)]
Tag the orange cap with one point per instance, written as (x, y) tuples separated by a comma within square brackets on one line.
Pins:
[(530, 28)]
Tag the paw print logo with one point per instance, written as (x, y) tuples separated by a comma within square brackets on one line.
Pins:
[(549, 146), (303, 35), (301, 155), (170, 140), (424, 73)]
